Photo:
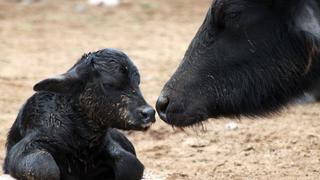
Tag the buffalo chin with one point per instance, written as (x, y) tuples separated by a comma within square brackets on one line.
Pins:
[(182, 120)]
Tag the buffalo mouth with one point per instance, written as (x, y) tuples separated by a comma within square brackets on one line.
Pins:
[(182, 119), (180, 114)]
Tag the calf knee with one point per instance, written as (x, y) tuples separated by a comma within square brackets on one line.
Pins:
[(38, 165), (128, 167)]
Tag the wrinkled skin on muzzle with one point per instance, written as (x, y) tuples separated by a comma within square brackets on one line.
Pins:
[(248, 58)]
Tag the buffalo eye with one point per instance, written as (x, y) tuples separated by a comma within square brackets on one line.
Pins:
[(226, 15), (232, 19), (219, 16), (228, 20)]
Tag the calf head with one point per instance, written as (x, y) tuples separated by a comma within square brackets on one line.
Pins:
[(249, 57), (105, 87)]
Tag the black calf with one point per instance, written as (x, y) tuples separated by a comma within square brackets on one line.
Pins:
[(64, 131)]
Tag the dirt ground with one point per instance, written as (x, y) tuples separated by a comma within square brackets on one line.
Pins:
[(46, 38)]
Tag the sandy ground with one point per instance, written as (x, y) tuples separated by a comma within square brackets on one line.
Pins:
[(46, 38)]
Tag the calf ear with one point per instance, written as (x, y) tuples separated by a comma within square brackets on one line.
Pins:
[(66, 83)]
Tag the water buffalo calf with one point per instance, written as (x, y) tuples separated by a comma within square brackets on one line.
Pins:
[(65, 130), (249, 57)]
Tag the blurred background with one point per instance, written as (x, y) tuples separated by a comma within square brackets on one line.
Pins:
[(41, 38)]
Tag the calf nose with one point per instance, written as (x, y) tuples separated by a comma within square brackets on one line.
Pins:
[(161, 106), (147, 115)]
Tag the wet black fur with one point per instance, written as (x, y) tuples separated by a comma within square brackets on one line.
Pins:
[(249, 57), (65, 130)]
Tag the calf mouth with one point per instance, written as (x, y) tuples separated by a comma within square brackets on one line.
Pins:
[(139, 124), (140, 127), (145, 127), (145, 117)]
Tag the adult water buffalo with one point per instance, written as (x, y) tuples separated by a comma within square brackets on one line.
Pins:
[(249, 57)]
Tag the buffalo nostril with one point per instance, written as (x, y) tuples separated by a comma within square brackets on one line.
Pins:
[(162, 105), (148, 114)]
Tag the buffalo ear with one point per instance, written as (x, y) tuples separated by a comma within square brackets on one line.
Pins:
[(282, 6), (268, 3), (308, 20), (66, 83)]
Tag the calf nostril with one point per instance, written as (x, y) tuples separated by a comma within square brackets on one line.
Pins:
[(148, 114), (162, 105)]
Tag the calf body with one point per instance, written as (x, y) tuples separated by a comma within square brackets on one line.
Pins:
[(65, 130)]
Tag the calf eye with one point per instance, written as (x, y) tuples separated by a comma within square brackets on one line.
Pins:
[(110, 82), (108, 85), (123, 69)]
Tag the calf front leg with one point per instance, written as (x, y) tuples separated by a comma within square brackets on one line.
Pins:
[(31, 164), (125, 164)]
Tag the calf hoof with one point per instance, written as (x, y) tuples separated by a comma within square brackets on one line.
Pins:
[(39, 165)]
